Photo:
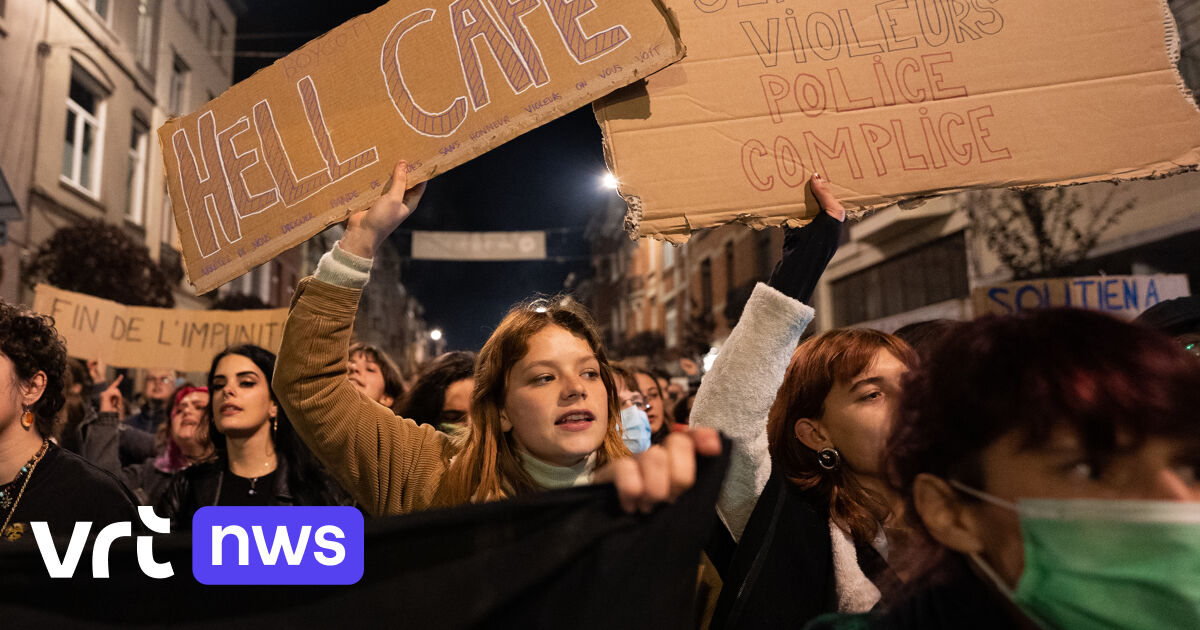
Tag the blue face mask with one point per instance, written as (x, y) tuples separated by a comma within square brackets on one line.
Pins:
[(635, 429)]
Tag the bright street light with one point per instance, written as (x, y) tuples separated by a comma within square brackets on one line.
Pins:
[(435, 334), (609, 181)]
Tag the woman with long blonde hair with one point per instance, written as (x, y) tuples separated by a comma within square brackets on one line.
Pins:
[(543, 411)]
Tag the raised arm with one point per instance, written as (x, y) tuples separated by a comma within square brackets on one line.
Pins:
[(736, 395), (389, 464)]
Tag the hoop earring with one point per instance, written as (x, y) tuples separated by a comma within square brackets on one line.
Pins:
[(829, 458), (27, 420)]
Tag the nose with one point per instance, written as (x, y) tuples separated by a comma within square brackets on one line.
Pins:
[(573, 386)]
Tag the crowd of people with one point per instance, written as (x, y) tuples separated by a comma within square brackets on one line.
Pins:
[(1031, 470)]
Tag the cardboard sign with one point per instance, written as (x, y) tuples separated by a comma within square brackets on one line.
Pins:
[(314, 137), (478, 245), (1123, 296), (146, 337), (893, 100)]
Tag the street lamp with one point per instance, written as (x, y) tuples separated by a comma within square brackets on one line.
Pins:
[(609, 181), (435, 334)]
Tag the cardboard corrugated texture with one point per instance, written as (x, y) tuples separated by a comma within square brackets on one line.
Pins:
[(314, 137), (894, 100)]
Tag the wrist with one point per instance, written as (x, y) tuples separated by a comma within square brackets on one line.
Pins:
[(359, 242)]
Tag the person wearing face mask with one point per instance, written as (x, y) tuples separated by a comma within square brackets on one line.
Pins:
[(635, 424), (1050, 460), (258, 459), (544, 411), (375, 374), (441, 397), (176, 445)]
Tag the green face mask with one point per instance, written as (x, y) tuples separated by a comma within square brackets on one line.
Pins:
[(1098, 564)]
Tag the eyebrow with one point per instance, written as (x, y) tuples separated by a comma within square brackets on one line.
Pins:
[(551, 363), (874, 380)]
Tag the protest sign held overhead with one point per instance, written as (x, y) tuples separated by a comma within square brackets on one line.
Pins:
[(1122, 296), (894, 100), (314, 137), (147, 337)]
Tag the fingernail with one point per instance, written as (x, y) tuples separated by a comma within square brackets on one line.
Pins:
[(816, 176)]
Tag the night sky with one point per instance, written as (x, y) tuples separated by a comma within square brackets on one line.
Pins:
[(547, 179)]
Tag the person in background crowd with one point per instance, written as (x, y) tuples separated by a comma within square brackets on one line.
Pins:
[(544, 409), (39, 481), (675, 392), (76, 409), (660, 425), (1050, 461), (635, 425), (259, 460), (178, 443), (923, 336), (157, 392), (1179, 318), (683, 410), (441, 397), (375, 374)]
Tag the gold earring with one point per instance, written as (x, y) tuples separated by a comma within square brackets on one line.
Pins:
[(274, 425), (27, 420)]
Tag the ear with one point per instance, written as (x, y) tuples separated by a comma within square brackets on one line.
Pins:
[(273, 411), (387, 401), (32, 389), (948, 520), (811, 434), (505, 424)]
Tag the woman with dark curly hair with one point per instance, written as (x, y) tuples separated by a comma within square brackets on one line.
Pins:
[(442, 394), (258, 459), (38, 480)]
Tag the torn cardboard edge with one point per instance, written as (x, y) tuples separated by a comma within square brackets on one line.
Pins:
[(646, 27), (682, 228)]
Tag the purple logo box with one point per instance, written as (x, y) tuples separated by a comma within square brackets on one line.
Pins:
[(277, 545)]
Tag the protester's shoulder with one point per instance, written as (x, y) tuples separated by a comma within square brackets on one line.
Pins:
[(87, 486)]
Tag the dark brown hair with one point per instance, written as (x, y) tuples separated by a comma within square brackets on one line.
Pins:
[(30, 341), (393, 378), (816, 366)]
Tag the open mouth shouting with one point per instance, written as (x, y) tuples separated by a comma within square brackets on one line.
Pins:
[(578, 420), (229, 409)]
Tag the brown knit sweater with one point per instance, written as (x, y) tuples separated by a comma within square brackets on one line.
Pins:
[(389, 464)]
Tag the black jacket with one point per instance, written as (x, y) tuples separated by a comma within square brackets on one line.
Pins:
[(782, 574), (200, 486)]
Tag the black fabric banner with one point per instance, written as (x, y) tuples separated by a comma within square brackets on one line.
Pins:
[(560, 559)]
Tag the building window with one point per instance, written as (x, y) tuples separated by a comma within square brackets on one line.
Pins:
[(178, 94), (932, 273), (216, 34), (706, 286), (670, 324), (188, 9), (81, 143), (729, 283), (145, 34), (99, 7), (1187, 17), (668, 254), (168, 219), (135, 181)]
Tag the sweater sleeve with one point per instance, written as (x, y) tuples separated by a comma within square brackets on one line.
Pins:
[(736, 395), (389, 464)]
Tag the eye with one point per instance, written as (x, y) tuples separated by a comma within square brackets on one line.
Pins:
[(543, 379), (592, 374), (870, 396), (247, 384)]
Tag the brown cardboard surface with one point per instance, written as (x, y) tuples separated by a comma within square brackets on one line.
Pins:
[(1122, 296), (314, 137), (894, 100), (146, 337)]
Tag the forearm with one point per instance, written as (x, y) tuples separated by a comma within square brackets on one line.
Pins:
[(806, 253), (370, 451), (735, 397)]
